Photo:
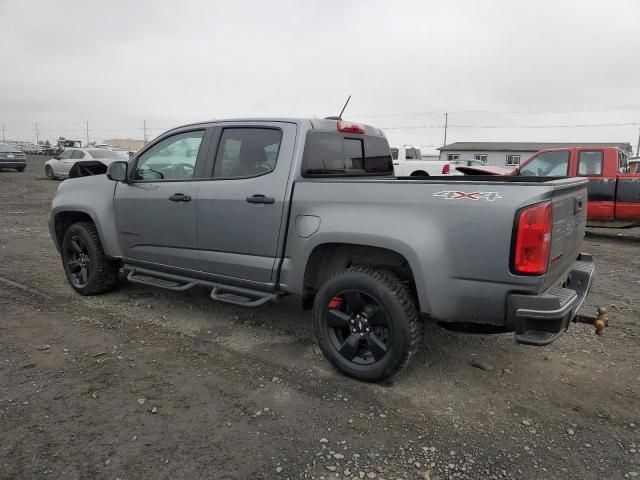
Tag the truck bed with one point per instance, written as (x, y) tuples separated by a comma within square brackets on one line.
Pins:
[(455, 233)]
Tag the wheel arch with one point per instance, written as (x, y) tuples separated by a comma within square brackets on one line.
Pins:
[(419, 173), (62, 220), (327, 258)]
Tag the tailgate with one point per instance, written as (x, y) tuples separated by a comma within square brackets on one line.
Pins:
[(569, 220)]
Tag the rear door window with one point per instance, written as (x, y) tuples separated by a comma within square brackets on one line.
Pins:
[(547, 164), (77, 155), (329, 153), (247, 152), (590, 163)]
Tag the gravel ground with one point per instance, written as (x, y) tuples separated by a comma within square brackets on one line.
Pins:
[(143, 383)]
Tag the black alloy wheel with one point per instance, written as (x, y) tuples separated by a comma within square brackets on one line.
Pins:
[(87, 267), (366, 321), (357, 327), (78, 261)]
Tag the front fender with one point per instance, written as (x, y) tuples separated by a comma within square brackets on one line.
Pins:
[(92, 196)]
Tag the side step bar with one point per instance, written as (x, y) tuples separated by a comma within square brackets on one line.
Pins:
[(242, 296)]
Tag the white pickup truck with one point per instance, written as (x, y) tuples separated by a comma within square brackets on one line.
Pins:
[(408, 162)]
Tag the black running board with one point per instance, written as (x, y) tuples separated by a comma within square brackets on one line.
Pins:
[(242, 296)]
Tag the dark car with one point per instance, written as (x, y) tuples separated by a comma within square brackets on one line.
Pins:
[(12, 157)]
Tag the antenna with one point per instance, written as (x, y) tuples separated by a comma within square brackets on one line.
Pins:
[(343, 108)]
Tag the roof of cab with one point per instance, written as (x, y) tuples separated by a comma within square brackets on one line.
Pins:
[(313, 123)]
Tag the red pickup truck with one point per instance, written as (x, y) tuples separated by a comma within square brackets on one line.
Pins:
[(613, 193)]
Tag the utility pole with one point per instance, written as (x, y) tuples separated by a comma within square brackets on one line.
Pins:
[(87, 122), (37, 135), (446, 124), (144, 127), (3, 132), (637, 148)]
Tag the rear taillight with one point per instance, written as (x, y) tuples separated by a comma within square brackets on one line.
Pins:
[(350, 127), (445, 169), (533, 239)]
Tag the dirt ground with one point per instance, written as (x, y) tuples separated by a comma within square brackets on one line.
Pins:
[(148, 384)]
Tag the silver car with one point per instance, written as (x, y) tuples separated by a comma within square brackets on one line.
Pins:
[(60, 166)]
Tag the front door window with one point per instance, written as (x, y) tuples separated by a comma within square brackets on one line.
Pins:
[(173, 158)]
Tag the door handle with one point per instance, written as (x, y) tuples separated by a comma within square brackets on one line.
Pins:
[(261, 199), (577, 205), (180, 197)]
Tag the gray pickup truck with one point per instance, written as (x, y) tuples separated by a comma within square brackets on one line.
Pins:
[(254, 209)]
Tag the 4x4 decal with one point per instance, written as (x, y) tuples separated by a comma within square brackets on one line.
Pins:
[(455, 195)]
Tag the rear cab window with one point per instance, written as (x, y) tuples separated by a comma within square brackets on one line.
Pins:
[(334, 154), (623, 163), (413, 154)]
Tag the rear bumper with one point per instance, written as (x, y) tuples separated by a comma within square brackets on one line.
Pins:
[(539, 320), (13, 163)]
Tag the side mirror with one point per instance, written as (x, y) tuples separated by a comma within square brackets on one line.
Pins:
[(117, 171)]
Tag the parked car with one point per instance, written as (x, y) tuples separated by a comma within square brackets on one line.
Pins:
[(408, 162), (31, 148), (83, 159), (614, 190), (464, 163), (12, 156), (257, 209)]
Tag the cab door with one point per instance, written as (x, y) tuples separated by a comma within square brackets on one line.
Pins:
[(241, 205), (156, 209), (601, 189), (63, 163)]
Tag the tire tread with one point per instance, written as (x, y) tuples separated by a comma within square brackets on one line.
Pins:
[(107, 270), (408, 302)]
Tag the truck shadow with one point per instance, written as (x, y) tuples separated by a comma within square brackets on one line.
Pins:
[(631, 236)]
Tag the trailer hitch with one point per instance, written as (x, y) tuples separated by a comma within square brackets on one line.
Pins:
[(600, 321)]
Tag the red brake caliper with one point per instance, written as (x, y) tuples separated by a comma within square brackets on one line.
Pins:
[(335, 302)]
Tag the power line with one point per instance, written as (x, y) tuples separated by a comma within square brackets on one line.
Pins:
[(592, 109), (584, 125)]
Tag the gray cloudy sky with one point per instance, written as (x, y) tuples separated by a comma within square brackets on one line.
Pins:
[(115, 63)]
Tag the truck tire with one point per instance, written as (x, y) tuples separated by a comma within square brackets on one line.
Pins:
[(20, 169), (366, 323), (89, 271), (419, 173)]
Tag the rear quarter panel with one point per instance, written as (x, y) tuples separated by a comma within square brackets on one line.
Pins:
[(458, 249)]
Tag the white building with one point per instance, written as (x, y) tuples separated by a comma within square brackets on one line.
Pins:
[(509, 154)]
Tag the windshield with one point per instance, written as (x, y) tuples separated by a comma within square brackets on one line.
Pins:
[(100, 153), (8, 148), (548, 164)]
